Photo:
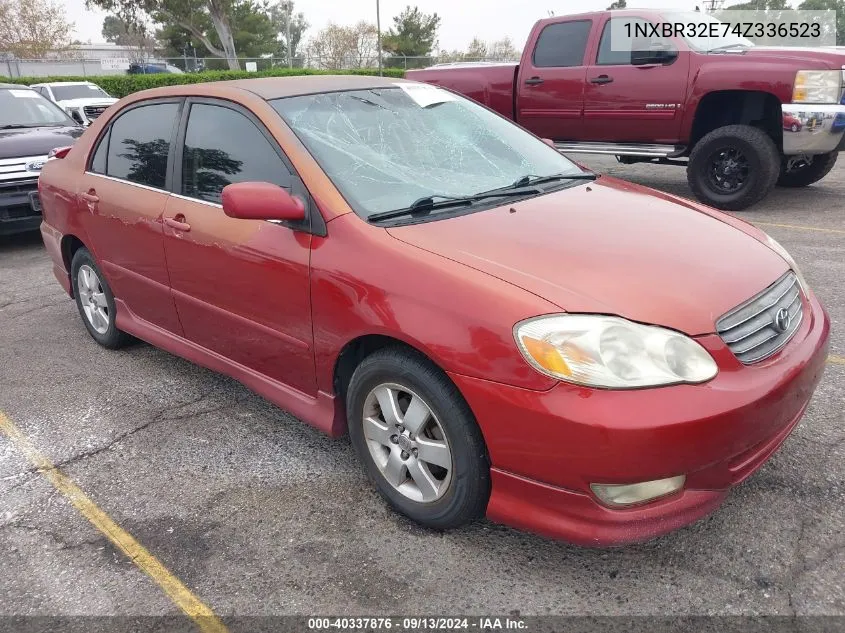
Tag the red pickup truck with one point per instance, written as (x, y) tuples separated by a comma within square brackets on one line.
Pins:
[(741, 118)]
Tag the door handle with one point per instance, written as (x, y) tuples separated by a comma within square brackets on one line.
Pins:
[(601, 79), (534, 81), (178, 223), (91, 196)]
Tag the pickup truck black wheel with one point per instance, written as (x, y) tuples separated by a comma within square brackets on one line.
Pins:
[(95, 301), (733, 167), (418, 439), (800, 171)]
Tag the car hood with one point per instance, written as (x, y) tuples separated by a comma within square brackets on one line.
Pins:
[(36, 141), (813, 56), (79, 103), (613, 247)]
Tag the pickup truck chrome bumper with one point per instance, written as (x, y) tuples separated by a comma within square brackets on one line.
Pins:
[(812, 129)]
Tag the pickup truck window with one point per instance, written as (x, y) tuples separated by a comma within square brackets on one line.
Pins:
[(562, 44), (618, 53)]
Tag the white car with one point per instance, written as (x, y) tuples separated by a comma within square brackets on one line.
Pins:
[(82, 100)]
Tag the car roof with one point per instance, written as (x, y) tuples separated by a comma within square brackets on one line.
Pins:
[(277, 87), (15, 86)]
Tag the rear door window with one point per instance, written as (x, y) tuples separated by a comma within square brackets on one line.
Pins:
[(139, 144), (563, 44)]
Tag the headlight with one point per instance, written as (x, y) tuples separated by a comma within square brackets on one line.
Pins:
[(611, 352), (817, 86), (780, 250)]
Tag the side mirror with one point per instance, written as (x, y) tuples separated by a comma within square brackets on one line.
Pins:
[(656, 54), (261, 201)]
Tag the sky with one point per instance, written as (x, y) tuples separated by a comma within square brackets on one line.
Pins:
[(460, 20)]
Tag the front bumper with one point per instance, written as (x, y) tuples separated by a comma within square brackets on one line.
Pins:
[(19, 212), (813, 129), (547, 447)]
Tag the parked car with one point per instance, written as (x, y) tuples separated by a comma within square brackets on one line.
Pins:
[(82, 100), (30, 126), (716, 106), (492, 324), (792, 123), (152, 68)]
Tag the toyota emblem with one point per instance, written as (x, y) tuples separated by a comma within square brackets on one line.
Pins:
[(782, 320)]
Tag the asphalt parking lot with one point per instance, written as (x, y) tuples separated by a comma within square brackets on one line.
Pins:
[(259, 514)]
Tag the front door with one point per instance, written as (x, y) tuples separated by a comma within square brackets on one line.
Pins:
[(241, 287), (123, 194), (550, 84), (627, 103)]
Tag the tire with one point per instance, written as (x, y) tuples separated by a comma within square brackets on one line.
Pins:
[(746, 153), (95, 301), (807, 173), (457, 494)]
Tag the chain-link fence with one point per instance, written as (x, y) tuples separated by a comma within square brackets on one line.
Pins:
[(93, 67)]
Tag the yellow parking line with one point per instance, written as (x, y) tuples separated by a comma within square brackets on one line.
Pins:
[(836, 360), (181, 596), (801, 227)]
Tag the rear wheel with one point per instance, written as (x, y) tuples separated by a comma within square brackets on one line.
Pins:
[(95, 301), (417, 439), (801, 171), (733, 167)]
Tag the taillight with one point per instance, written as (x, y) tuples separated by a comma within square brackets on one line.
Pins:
[(58, 152)]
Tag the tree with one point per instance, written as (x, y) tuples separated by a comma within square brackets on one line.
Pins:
[(413, 34), (477, 50), (760, 5), (332, 46), (828, 5), (618, 4), (118, 32), (253, 32), (188, 14), (31, 28), (279, 17), (504, 50)]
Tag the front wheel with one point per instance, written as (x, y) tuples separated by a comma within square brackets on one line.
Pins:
[(733, 167), (801, 171), (417, 439)]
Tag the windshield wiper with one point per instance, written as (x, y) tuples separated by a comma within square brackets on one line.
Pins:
[(531, 179), (727, 47), (426, 204)]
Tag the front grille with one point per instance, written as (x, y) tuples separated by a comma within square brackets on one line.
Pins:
[(759, 327), (16, 187), (17, 211), (92, 112)]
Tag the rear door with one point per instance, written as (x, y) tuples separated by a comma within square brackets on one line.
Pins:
[(627, 103), (242, 287), (550, 83), (123, 194)]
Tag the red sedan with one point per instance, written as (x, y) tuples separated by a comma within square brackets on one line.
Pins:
[(499, 330)]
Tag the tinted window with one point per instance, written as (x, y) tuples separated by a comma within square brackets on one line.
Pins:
[(624, 45), (223, 146), (98, 163), (139, 143), (562, 44)]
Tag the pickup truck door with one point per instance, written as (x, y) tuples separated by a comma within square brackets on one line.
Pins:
[(628, 103), (550, 83)]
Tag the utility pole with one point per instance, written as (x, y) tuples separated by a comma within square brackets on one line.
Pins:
[(378, 36), (289, 6)]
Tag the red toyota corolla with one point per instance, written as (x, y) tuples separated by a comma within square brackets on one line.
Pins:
[(499, 330)]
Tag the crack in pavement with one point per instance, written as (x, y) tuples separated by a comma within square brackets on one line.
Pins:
[(63, 544)]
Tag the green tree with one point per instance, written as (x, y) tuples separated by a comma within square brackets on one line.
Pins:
[(413, 33), (31, 28), (253, 33), (826, 5), (618, 4), (191, 15), (477, 49), (760, 5)]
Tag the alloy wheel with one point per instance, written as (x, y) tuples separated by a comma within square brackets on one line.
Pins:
[(93, 299), (407, 442)]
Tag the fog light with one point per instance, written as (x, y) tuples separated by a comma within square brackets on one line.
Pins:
[(629, 494)]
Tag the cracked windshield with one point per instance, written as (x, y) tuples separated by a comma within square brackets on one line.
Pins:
[(387, 148)]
